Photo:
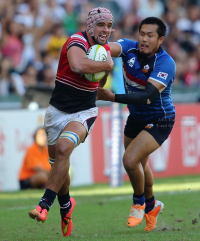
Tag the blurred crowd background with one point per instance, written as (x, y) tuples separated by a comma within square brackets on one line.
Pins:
[(32, 33)]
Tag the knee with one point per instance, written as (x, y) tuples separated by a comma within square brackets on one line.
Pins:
[(63, 148), (128, 162)]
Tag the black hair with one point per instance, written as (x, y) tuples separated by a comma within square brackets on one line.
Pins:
[(44, 53), (161, 30)]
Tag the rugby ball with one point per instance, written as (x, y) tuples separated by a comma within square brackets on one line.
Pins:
[(97, 53)]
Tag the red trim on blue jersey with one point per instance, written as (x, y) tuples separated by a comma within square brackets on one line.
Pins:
[(133, 78)]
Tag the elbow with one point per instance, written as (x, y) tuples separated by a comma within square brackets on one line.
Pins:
[(76, 68)]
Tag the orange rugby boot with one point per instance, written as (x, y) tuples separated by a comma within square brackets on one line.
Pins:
[(66, 221), (152, 216), (136, 215), (39, 213)]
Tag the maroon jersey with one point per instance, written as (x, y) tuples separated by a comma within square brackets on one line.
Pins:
[(73, 92)]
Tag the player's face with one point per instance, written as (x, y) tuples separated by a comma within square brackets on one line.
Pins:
[(149, 40), (102, 31)]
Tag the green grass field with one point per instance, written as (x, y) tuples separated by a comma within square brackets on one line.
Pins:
[(101, 214)]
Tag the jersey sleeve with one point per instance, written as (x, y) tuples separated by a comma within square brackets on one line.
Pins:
[(78, 41), (164, 70), (125, 44)]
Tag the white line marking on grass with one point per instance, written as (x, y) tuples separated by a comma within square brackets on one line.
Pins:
[(193, 186), (157, 194), (111, 199), (18, 208)]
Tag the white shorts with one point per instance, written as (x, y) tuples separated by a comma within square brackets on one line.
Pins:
[(56, 120)]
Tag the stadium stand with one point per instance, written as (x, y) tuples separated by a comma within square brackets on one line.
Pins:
[(32, 33)]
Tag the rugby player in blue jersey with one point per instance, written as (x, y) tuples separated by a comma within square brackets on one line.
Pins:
[(148, 73)]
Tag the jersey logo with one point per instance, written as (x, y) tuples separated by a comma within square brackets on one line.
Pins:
[(78, 36), (104, 57), (149, 126), (131, 62), (120, 40), (145, 69), (162, 75)]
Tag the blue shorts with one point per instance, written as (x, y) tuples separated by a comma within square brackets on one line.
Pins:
[(159, 129)]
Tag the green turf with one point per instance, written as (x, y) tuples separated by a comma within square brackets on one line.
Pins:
[(103, 216)]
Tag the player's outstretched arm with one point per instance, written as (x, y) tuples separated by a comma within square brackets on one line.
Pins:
[(105, 94), (79, 63), (115, 48), (139, 98)]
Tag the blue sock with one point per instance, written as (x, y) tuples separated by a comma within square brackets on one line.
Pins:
[(65, 203), (47, 199), (149, 204), (138, 199)]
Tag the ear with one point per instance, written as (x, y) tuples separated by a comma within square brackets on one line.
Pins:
[(161, 39)]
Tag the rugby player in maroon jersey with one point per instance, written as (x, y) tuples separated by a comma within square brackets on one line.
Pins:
[(72, 112)]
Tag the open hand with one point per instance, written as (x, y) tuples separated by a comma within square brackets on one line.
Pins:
[(105, 94)]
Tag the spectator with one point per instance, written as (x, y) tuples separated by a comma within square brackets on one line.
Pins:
[(191, 77), (149, 8), (26, 37), (190, 22), (12, 45), (47, 77), (56, 41), (46, 59), (70, 21), (35, 169), (181, 66), (10, 81), (130, 25), (5, 80), (30, 76), (50, 9)]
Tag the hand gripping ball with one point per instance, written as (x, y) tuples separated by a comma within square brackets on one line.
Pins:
[(96, 53)]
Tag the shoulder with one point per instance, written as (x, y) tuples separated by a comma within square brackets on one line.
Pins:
[(127, 46), (164, 58), (129, 42), (77, 36), (78, 40), (164, 68)]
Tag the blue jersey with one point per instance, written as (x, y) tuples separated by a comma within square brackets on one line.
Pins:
[(137, 70)]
